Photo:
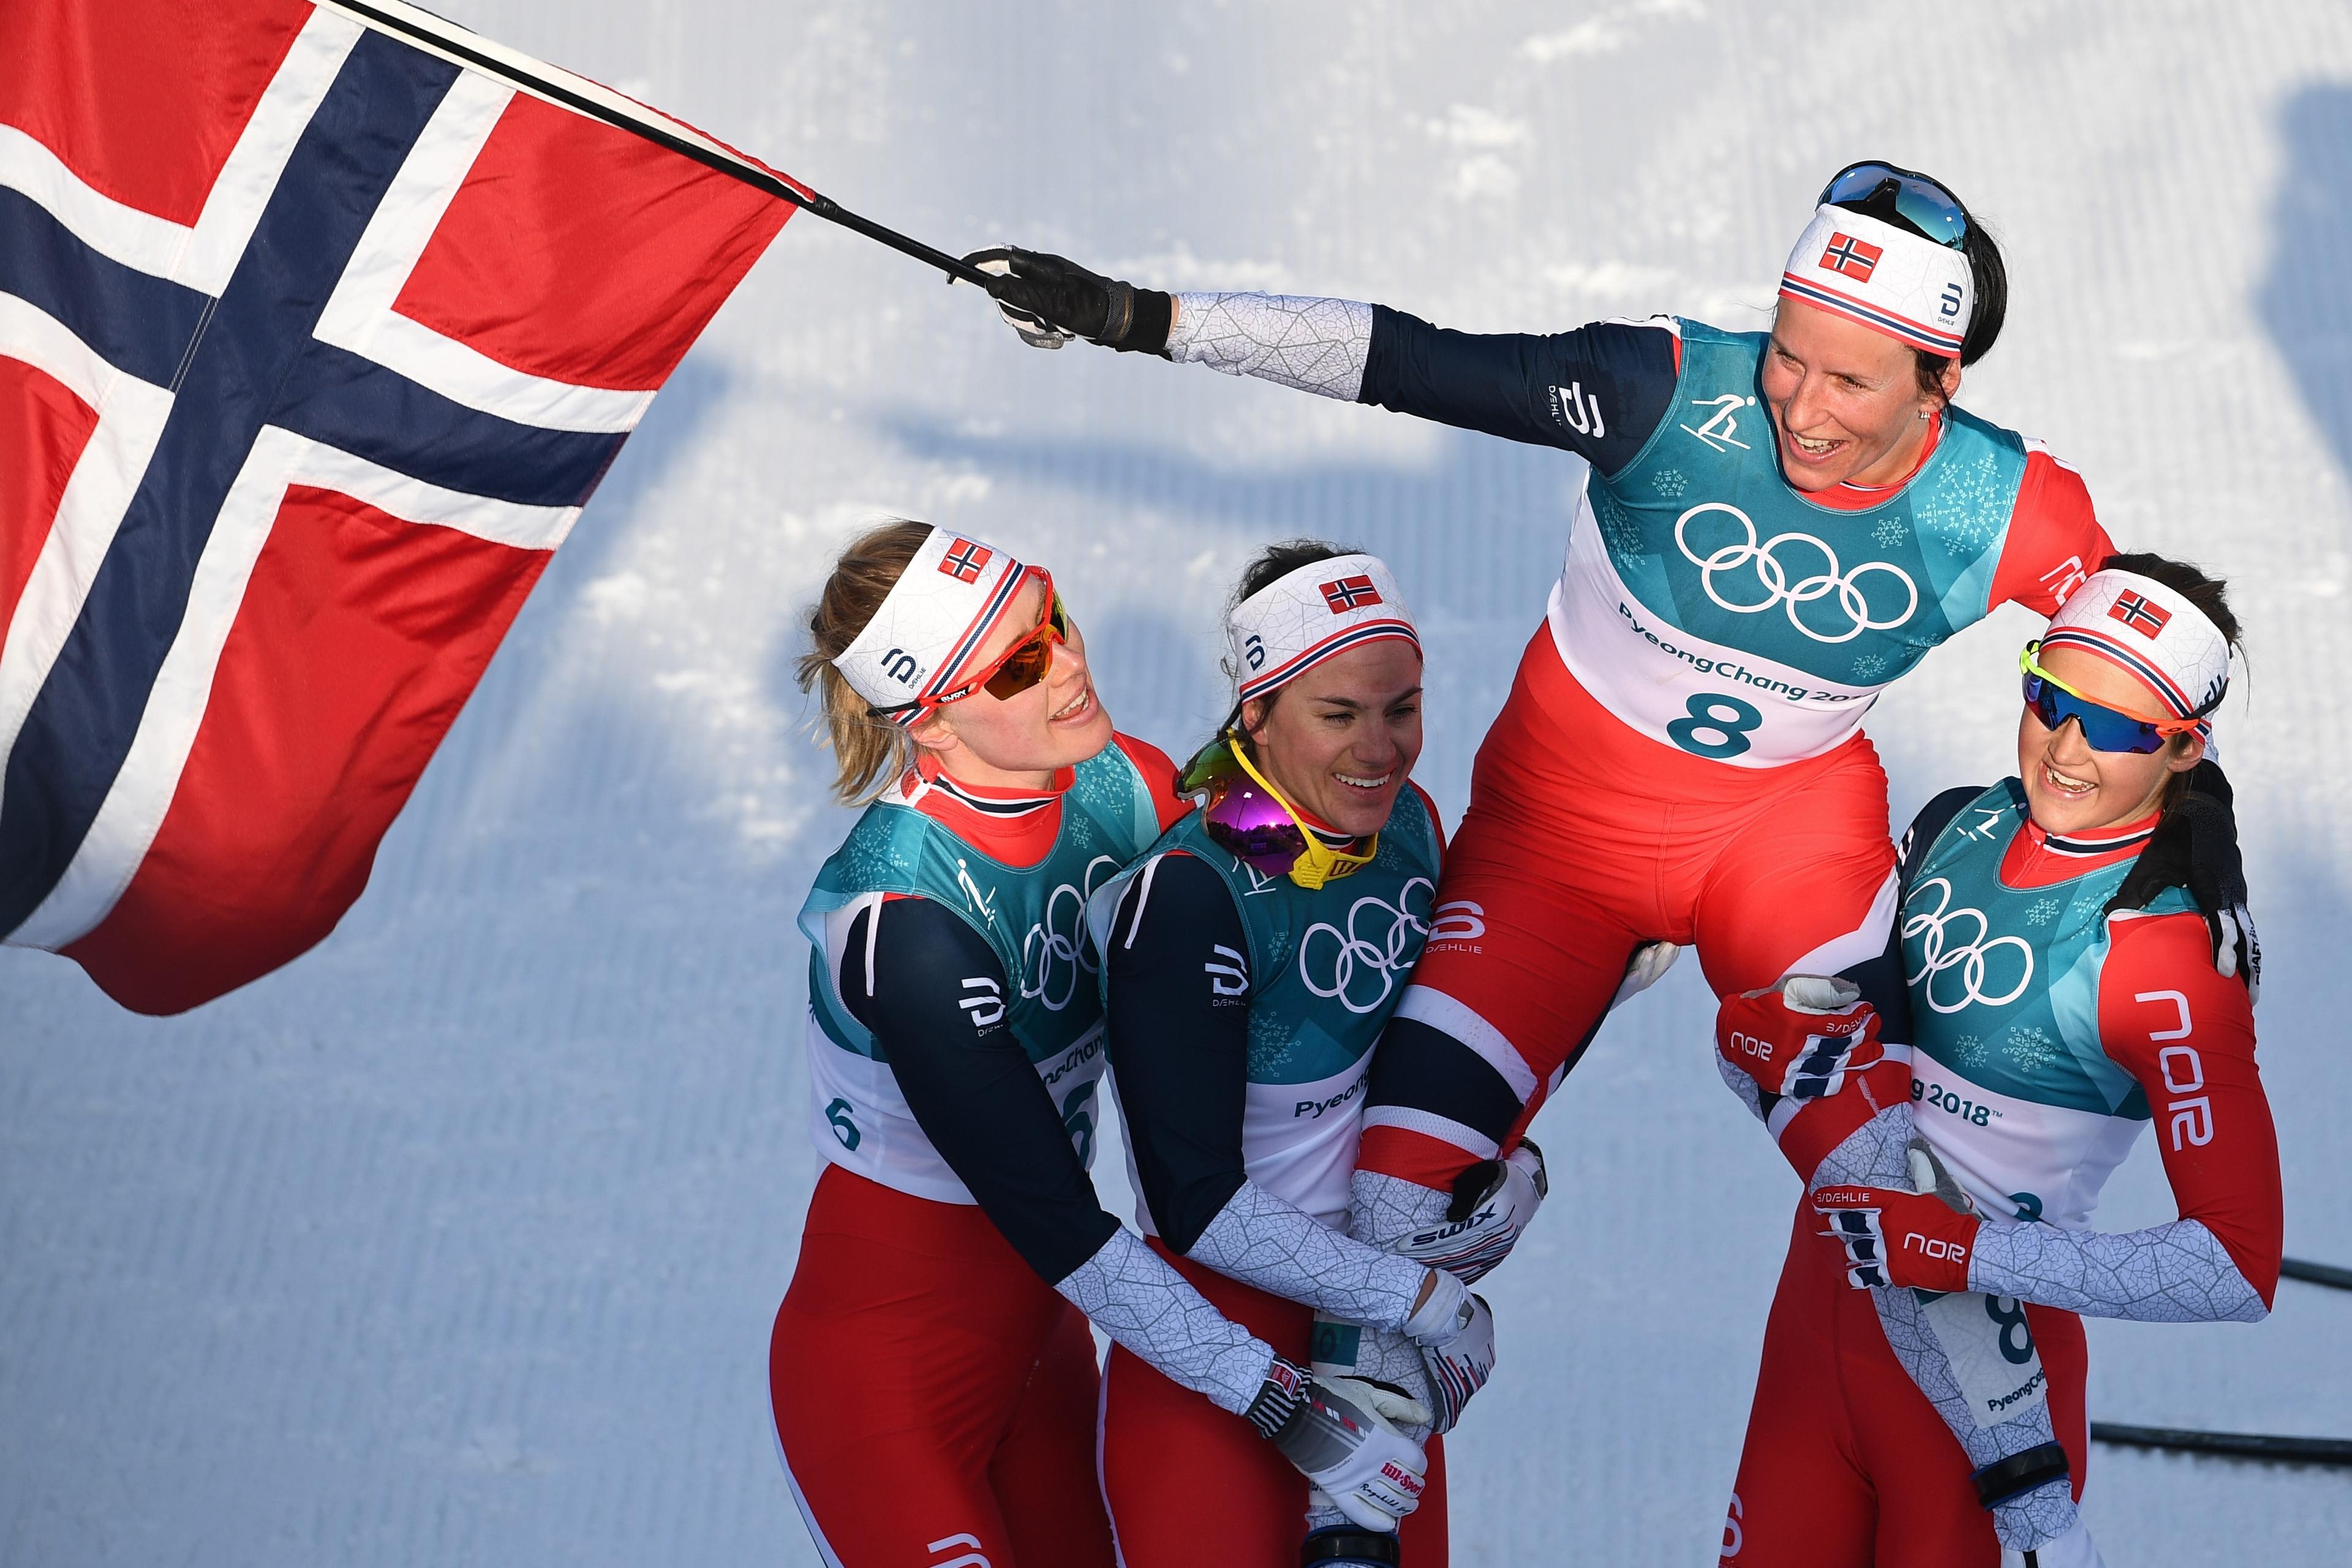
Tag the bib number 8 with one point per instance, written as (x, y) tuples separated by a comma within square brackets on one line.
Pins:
[(2010, 1314), (1717, 725)]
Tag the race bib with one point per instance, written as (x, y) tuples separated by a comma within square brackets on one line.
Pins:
[(1682, 689), (1992, 1352)]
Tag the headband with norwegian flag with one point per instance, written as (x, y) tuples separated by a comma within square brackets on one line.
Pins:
[(1888, 278), (1316, 613), (938, 614), (2152, 632)]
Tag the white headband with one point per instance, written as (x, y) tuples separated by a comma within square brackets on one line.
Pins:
[(2152, 632), (940, 611), (1321, 610), (1888, 278)]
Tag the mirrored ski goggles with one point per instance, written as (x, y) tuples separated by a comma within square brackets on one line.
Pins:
[(1926, 205), (1245, 816), (2103, 728), (1014, 670)]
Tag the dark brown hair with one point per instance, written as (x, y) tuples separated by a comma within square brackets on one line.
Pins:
[(2211, 599), (1274, 563), (1988, 276)]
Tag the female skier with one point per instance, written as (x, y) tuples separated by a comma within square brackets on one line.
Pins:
[(933, 1379), (2050, 1019), (1251, 957), (1776, 526)]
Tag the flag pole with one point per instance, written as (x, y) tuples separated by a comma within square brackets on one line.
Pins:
[(455, 43)]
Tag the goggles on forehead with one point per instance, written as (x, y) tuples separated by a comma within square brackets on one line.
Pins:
[(1014, 670), (1245, 816), (2103, 728), (1917, 200)]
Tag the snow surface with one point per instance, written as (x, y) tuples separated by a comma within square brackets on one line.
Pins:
[(459, 1241)]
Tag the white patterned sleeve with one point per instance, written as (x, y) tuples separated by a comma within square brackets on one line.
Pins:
[(2174, 1273), (1315, 345), (1261, 1240), (1131, 1294)]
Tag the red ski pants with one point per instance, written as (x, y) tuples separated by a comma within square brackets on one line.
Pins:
[(1584, 839), (1846, 1464), (1190, 1485), (935, 1400)]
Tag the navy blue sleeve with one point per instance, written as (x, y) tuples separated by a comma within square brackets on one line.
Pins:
[(973, 1090), (1600, 391), (1180, 1000)]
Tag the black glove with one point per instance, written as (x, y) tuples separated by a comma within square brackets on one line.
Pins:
[(2196, 846), (1049, 298)]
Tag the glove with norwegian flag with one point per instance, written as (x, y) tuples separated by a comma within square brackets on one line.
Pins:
[(1921, 1239)]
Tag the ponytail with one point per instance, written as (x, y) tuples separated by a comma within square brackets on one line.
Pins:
[(866, 751)]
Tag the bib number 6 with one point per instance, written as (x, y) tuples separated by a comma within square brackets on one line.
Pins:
[(1717, 725)]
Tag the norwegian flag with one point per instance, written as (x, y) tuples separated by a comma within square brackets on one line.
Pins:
[(965, 561), (1348, 594), (1854, 258), (312, 345), (2135, 611)]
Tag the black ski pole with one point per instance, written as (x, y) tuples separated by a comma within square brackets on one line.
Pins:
[(451, 41), (2335, 1451), (2312, 1273)]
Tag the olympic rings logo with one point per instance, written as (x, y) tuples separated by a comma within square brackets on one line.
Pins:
[(1772, 576), (1062, 954), (1381, 942), (1938, 954)]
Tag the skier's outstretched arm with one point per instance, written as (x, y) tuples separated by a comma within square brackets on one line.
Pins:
[(1600, 391)]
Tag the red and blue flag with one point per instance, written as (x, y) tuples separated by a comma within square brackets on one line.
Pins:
[(313, 343)]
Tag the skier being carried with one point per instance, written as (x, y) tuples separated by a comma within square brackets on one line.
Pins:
[(1778, 525)]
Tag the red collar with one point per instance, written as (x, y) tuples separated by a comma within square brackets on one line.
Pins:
[(2038, 858), (1016, 827)]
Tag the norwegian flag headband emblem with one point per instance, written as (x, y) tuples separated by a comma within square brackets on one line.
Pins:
[(965, 560), (2135, 611), (938, 614), (2175, 650), (1887, 279), (1313, 614), (1850, 257)]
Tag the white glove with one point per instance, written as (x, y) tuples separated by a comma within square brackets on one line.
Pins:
[(1495, 1200), (1457, 1351), (1339, 1436), (1644, 969)]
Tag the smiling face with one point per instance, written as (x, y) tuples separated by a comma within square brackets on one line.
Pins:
[(2069, 788), (1846, 400), (1344, 736), (1021, 741)]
